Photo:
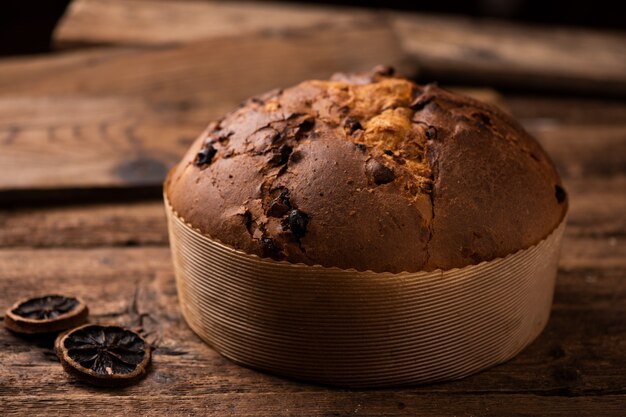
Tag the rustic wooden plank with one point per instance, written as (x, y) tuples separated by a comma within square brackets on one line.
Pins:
[(118, 224), (212, 71), (72, 142), (340, 404), (156, 22), (595, 208), (580, 353), (583, 150), (503, 53), (566, 110), (461, 49)]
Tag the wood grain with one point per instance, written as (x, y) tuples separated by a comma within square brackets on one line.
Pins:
[(372, 404), (117, 224), (149, 22), (73, 142), (502, 53), (446, 48), (122, 279), (226, 70), (105, 135), (532, 108), (583, 150)]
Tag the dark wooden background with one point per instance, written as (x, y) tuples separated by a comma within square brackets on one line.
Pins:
[(88, 131)]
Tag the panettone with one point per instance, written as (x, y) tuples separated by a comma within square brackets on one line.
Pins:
[(370, 172)]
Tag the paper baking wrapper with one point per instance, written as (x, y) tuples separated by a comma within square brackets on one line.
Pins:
[(361, 329)]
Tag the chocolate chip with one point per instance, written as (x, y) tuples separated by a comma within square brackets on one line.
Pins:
[(378, 172), (280, 156), (298, 222), (360, 147), (431, 133), (305, 126), (560, 194), (206, 154), (277, 209), (352, 125), (482, 118), (471, 254), (388, 152), (247, 221), (295, 157), (270, 248)]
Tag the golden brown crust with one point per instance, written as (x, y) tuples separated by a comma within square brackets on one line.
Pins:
[(368, 171)]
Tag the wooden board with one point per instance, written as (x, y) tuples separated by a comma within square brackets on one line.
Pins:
[(142, 22), (446, 48), (502, 53), (95, 225), (215, 70), (372, 404), (533, 109)]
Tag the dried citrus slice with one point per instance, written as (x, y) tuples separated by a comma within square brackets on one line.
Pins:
[(47, 314), (103, 355)]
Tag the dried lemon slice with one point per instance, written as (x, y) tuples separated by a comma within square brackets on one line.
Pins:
[(47, 314), (103, 355)]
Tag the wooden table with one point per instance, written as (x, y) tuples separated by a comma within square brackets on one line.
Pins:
[(87, 133)]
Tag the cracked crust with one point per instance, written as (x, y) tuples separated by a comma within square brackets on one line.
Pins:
[(368, 171)]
